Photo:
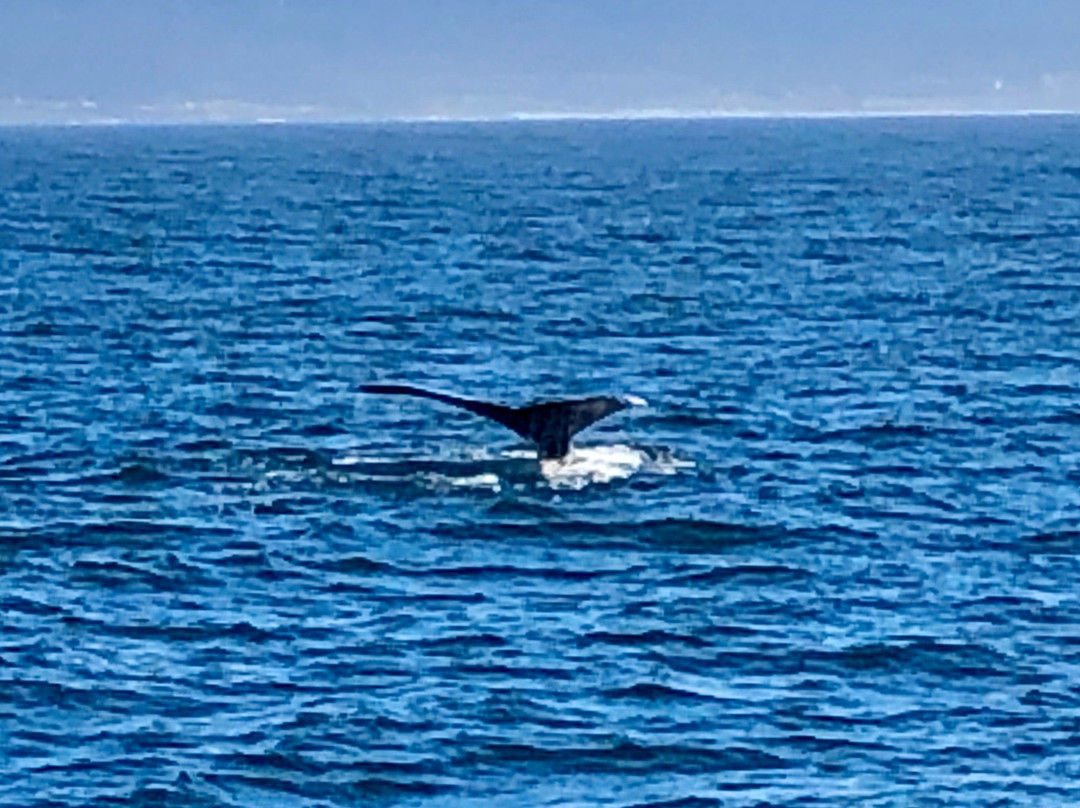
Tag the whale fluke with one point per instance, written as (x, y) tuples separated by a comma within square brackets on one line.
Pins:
[(549, 424)]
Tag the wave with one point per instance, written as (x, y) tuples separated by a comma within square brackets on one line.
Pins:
[(753, 574), (682, 802), (135, 532), (625, 758), (358, 789), (359, 565), (652, 692), (1053, 542), (675, 534), (647, 638), (945, 660), (882, 436)]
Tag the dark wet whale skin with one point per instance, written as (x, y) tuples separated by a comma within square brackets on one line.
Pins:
[(549, 424)]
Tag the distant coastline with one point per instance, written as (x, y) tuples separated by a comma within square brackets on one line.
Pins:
[(530, 117)]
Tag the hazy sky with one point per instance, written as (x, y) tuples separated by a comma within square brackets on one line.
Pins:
[(66, 60)]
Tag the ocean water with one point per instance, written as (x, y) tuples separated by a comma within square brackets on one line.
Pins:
[(833, 563)]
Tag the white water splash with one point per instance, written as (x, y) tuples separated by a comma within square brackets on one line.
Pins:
[(446, 481), (587, 465), (583, 466)]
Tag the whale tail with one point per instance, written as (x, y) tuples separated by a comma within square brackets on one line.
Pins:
[(548, 424)]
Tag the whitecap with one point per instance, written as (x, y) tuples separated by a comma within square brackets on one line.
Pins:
[(593, 464)]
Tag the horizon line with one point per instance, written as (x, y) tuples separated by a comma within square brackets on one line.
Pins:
[(541, 117)]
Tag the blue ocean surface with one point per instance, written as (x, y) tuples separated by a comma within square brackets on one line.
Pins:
[(833, 563)]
